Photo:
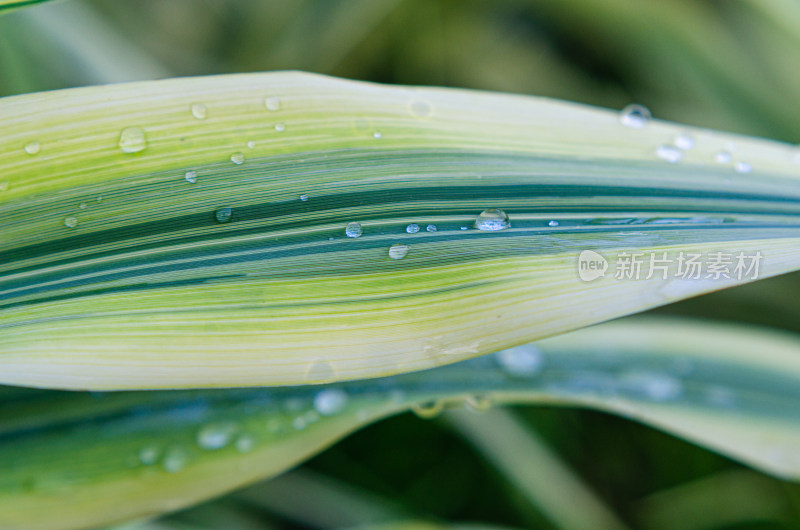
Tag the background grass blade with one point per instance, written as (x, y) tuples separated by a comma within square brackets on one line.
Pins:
[(152, 452), (501, 438), (191, 232)]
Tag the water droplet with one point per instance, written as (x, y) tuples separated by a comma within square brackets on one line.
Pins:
[(3, 185), (428, 410), (492, 220), (237, 158), (216, 435), (244, 443), (223, 215), (299, 423), (175, 460), (280, 127), (352, 230), (377, 135), (431, 228), (723, 157), (191, 176), (132, 140), (398, 251), (552, 223), (669, 153), (684, 141), (272, 103), (304, 198), (32, 148), (522, 361), (330, 401), (635, 116), (251, 144), (70, 222), (148, 455), (421, 109), (413, 228), (320, 371), (742, 167), (464, 228), (83, 206), (478, 403), (199, 111)]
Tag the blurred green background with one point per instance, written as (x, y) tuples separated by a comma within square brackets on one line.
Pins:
[(732, 65)]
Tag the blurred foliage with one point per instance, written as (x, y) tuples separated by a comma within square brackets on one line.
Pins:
[(725, 65)]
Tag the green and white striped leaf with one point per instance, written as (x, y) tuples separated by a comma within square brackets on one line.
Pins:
[(192, 232), (105, 457)]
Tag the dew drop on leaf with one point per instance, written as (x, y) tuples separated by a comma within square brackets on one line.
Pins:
[(635, 116), (132, 140), (199, 111), (32, 148), (272, 103), (492, 220), (669, 153), (398, 251), (521, 362), (352, 230), (223, 215), (216, 435), (330, 401)]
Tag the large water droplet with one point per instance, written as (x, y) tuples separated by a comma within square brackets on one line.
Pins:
[(413, 228), (199, 111), (330, 401), (223, 215), (175, 459), (635, 116), (352, 230), (237, 158), (522, 361), (742, 167), (191, 176), (216, 435), (670, 153), (492, 220), (70, 222), (398, 251), (132, 140), (32, 148)]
